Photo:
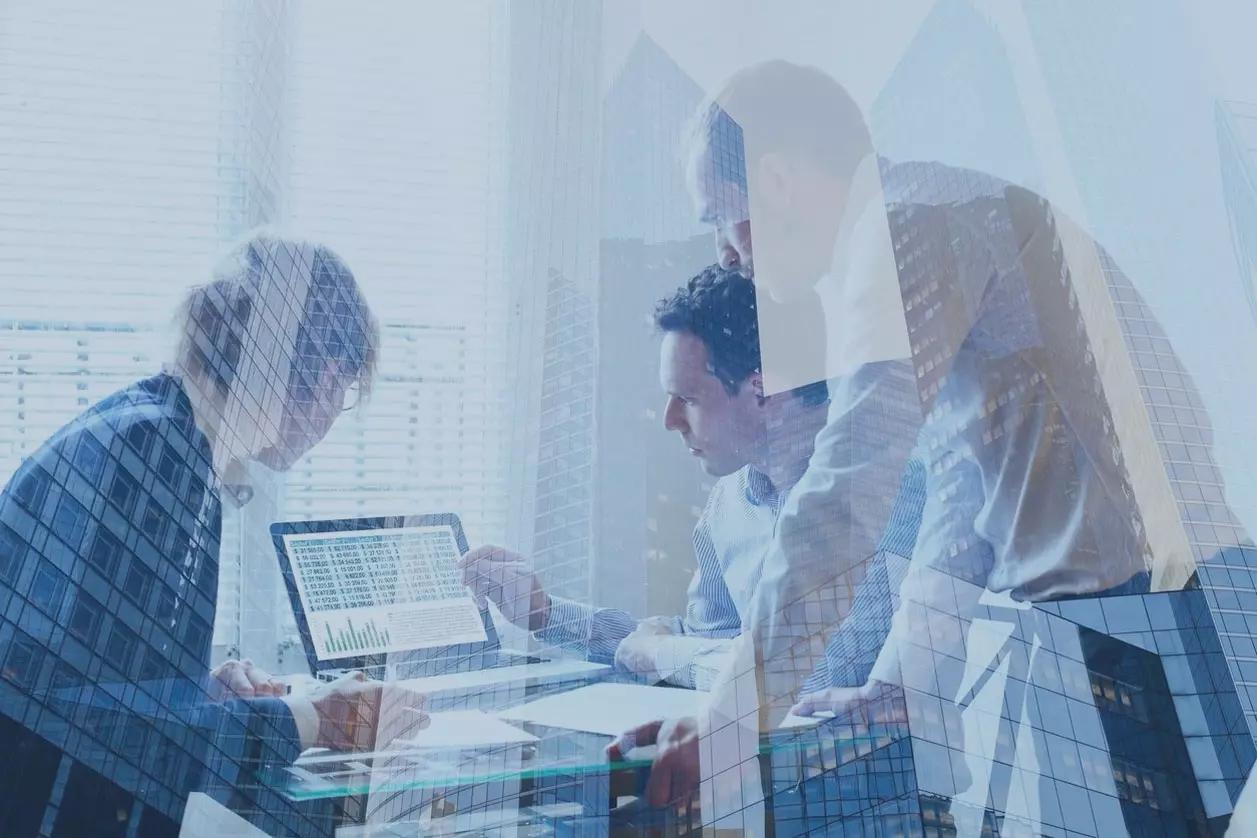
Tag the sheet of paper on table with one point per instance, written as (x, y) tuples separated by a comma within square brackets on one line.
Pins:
[(793, 721), (205, 817), (548, 671), (464, 729), (611, 709)]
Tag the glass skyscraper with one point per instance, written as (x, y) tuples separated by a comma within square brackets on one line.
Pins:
[(1127, 714), (1069, 201), (1237, 148), (550, 261)]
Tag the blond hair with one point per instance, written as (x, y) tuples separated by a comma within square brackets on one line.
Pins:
[(271, 300)]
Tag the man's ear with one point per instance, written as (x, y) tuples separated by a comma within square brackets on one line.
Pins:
[(774, 181), (756, 382)]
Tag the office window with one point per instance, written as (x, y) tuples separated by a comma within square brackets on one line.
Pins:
[(12, 550), (64, 688), (32, 489), (120, 646), (48, 589), (138, 583), (105, 551), (85, 617), (22, 663), (124, 491), (89, 457)]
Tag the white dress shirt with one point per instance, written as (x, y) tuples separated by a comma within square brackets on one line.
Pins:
[(1027, 493)]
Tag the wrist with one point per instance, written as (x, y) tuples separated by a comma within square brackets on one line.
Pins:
[(306, 719), (340, 726), (539, 617)]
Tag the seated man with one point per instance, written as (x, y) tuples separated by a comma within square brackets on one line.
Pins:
[(709, 369)]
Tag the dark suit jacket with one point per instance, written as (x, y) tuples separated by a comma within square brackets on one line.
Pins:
[(109, 545)]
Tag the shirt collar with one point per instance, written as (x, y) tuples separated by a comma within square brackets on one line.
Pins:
[(861, 297), (864, 196), (759, 489)]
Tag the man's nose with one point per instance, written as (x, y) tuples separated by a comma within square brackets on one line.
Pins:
[(672, 419)]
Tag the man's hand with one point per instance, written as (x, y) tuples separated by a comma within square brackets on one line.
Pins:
[(637, 652), (675, 773), (873, 703), (359, 714), (505, 578), (241, 679)]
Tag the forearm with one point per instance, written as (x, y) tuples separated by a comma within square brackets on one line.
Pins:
[(833, 524), (689, 661), (305, 718), (856, 645), (932, 611), (594, 632)]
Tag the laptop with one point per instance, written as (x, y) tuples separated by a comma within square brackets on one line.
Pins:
[(385, 595)]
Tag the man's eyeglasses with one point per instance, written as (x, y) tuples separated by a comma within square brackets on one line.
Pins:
[(353, 397), (309, 397)]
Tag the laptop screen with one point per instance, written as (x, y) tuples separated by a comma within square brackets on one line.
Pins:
[(382, 591)]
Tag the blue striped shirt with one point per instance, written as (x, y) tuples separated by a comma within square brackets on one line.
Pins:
[(853, 649), (731, 539), (730, 542)]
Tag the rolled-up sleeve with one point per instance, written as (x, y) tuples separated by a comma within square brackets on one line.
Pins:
[(710, 613), (831, 526), (594, 632)]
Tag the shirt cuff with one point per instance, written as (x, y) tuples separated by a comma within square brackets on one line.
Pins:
[(306, 718), (566, 622), (708, 664), (679, 660)]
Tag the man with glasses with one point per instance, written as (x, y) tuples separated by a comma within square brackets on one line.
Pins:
[(111, 532)]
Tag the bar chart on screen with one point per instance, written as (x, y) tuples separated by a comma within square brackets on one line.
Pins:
[(381, 591), (351, 638)]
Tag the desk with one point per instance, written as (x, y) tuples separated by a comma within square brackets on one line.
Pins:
[(561, 784)]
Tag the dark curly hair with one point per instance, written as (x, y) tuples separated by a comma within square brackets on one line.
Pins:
[(719, 308)]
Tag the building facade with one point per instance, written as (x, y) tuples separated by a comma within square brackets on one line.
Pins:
[(1237, 149)]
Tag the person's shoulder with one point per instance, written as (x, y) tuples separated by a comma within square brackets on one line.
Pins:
[(145, 406), (725, 489), (737, 482), (931, 183), (138, 414)]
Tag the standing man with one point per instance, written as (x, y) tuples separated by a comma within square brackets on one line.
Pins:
[(952, 301)]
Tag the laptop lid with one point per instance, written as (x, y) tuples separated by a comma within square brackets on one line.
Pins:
[(370, 591)]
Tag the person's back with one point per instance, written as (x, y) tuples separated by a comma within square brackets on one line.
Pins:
[(111, 533), (110, 536), (996, 318)]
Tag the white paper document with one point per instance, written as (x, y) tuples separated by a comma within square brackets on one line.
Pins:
[(609, 709), (793, 721), (547, 671), (205, 817), (464, 729)]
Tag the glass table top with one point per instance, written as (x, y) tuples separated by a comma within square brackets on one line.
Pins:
[(556, 755)]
